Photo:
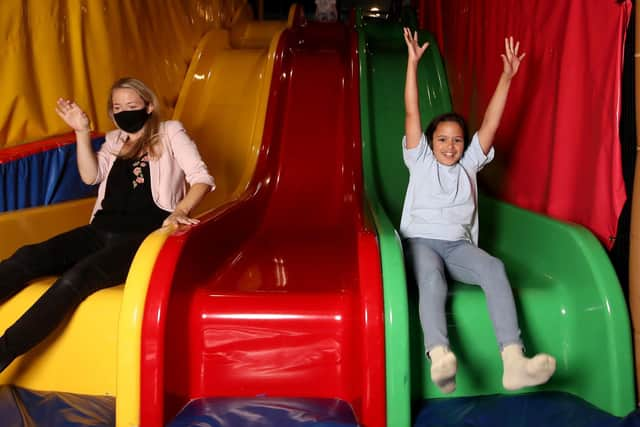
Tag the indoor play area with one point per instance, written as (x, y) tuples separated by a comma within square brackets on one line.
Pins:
[(289, 304)]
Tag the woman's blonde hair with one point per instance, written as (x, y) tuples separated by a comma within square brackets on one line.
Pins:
[(150, 136)]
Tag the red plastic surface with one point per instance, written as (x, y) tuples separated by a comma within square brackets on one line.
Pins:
[(557, 149), (279, 293)]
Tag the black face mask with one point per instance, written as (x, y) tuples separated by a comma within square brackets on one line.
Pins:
[(131, 121)]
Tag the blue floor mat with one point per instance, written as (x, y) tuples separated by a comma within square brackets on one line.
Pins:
[(265, 412), (25, 408), (548, 409)]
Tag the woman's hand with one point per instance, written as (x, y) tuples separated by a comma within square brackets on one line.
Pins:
[(510, 58), (414, 49), (178, 217), (72, 115)]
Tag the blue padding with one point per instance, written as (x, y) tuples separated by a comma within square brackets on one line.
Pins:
[(265, 412), (23, 408), (43, 178), (549, 409)]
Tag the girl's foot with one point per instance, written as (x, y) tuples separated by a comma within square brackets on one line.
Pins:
[(521, 371), (443, 368)]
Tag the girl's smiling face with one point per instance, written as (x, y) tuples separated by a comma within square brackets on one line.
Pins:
[(448, 143)]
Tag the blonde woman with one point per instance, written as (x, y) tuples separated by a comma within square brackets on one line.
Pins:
[(142, 170)]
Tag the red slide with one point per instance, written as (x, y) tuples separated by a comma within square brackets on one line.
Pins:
[(279, 293)]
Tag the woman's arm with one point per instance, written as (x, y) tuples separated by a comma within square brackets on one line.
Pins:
[(412, 125), (200, 182), (193, 197), (73, 116), (511, 62)]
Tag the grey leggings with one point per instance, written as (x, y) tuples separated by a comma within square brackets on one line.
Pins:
[(466, 263)]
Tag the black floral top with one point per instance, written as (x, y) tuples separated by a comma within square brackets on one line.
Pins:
[(128, 205)]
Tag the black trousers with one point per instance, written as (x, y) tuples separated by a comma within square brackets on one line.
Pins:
[(87, 259)]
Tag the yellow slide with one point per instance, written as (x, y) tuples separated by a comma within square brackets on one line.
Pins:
[(222, 103), (224, 97)]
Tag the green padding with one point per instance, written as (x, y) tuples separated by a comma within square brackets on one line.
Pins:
[(569, 299)]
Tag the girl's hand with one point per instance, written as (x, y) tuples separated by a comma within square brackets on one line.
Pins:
[(414, 49), (179, 218), (72, 115), (510, 58)]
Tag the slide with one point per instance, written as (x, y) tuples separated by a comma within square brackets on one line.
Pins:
[(223, 105), (568, 297), (277, 294), (223, 100)]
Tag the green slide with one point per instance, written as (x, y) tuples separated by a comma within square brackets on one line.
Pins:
[(568, 297)]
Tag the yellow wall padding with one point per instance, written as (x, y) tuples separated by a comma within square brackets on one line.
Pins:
[(78, 48)]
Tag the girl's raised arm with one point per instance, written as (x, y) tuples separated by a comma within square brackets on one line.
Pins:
[(511, 62), (412, 125)]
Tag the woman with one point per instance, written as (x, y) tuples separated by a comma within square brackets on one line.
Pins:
[(141, 170)]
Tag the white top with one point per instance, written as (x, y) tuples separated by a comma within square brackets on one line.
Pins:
[(442, 201)]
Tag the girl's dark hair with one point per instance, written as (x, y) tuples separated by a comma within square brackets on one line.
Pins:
[(446, 117)]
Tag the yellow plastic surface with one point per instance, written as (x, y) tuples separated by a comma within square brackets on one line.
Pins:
[(32, 225), (78, 48), (224, 99), (80, 356), (97, 351), (130, 328), (222, 104)]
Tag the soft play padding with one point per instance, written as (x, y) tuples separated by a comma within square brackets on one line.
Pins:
[(265, 412), (549, 409), (20, 407), (36, 177)]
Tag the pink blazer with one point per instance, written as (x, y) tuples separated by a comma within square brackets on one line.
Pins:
[(180, 163)]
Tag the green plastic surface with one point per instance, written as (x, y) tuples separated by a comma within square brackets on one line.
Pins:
[(568, 297)]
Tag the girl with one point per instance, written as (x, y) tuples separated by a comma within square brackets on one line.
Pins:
[(440, 225), (141, 169)]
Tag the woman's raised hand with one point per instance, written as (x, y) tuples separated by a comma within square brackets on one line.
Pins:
[(414, 49), (72, 115)]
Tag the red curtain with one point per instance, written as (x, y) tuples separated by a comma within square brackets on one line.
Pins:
[(557, 149)]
